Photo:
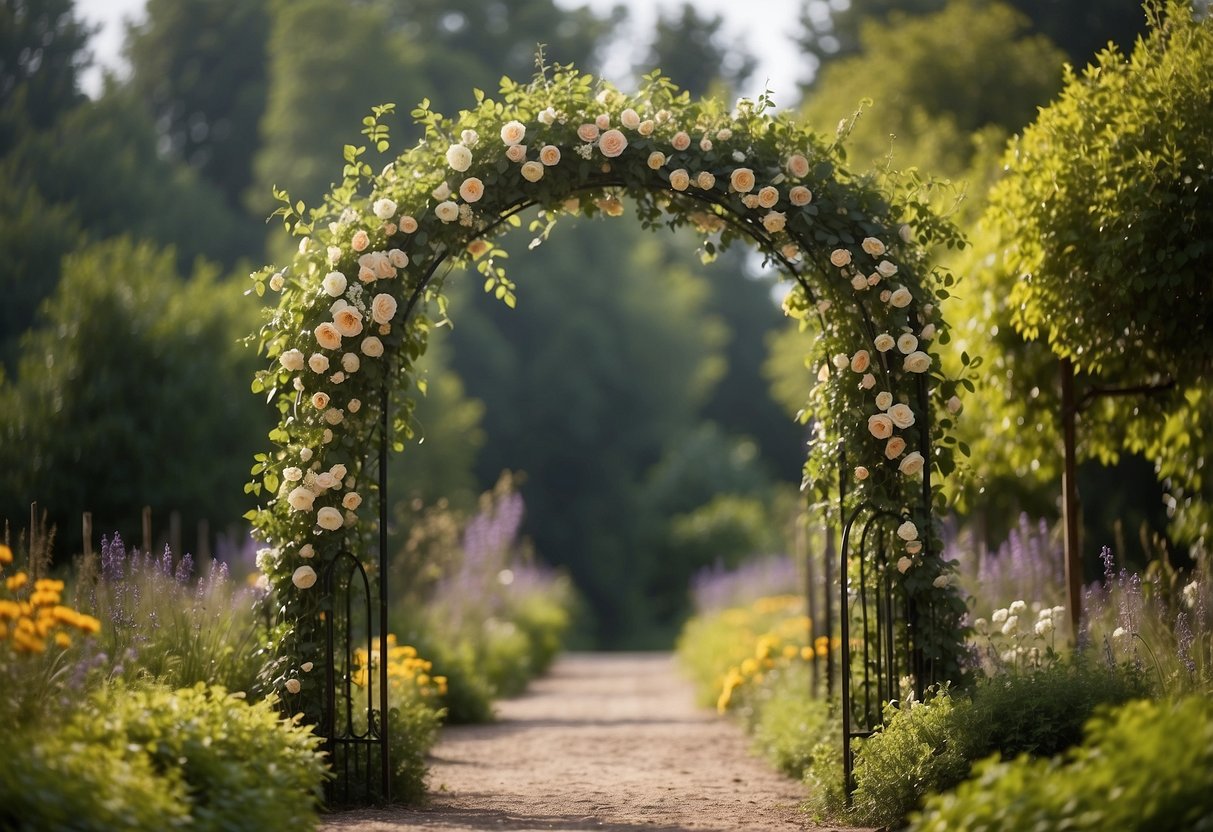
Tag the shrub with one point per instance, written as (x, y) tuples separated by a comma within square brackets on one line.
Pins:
[(787, 722), (1145, 766)]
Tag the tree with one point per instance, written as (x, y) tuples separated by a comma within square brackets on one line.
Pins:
[(131, 392), (42, 53), (691, 51), (1105, 218), (199, 66)]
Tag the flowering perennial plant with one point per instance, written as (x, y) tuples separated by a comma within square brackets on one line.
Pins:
[(356, 300)]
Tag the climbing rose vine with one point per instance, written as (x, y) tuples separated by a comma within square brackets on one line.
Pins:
[(359, 298)]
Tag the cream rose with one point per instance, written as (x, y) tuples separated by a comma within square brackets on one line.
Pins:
[(334, 416), (360, 240), (886, 269), (904, 564), (860, 361), (602, 120), (305, 576), (549, 155), (306, 667), (408, 224), (300, 498), (906, 234), (629, 118), (867, 382), (840, 257), (907, 343), (798, 166), (861, 473), (351, 501), (800, 196), (383, 308), (680, 180), (928, 332), (942, 581), (350, 362), (397, 258), (516, 153), (894, 447), (458, 157), (372, 347), (348, 321), (513, 132), (447, 211), (646, 127), (873, 246), (532, 171), (859, 283), (307, 551), (911, 465), (705, 180), (790, 251), (471, 189), (917, 362), (292, 473), (907, 531), (588, 132), (354, 405), (914, 547), (292, 360), (293, 685), (320, 400), (329, 518), (884, 399), (954, 405), (334, 284), (768, 196), (318, 362), (681, 140), (324, 480), (612, 143), (880, 426), (884, 342), (656, 159), (775, 221), (742, 180), (901, 297), (842, 361)]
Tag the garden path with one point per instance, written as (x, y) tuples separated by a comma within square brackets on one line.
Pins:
[(605, 741)]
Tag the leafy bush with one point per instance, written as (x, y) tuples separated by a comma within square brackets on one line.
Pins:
[(1145, 766), (153, 758), (787, 722)]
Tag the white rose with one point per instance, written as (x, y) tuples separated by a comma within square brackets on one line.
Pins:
[(305, 576), (902, 415), (291, 360), (292, 474), (351, 501), (840, 257), (860, 361), (911, 464), (471, 189), (334, 284), (318, 363), (329, 518), (894, 447), (907, 531), (305, 454), (886, 269), (867, 382), (742, 180), (384, 208), (885, 295), (646, 127), (873, 246), (630, 119), (333, 252), (372, 347), (293, 686), (547, 117), (907, 343), (842, 361), (326, 437), (532, 171), (928, 332), (612, 143), (1043, 627), (680, 180), (800, 196), (880, 426), (513, 132), (383, 308), (458, 157), (904, 564), (447, 211), (775, 221), (917, 362), (603, 120), (1011, 625), (901, 298), (884, 342), (300, 498), (324, 481)]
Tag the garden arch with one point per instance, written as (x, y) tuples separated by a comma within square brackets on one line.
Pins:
[(353, 318)]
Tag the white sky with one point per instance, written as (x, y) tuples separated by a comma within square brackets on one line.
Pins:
[(766, 26)]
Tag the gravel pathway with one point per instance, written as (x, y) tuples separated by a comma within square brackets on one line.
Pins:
[(605, 741)]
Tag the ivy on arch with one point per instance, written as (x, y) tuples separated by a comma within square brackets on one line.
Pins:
[(358, 301)]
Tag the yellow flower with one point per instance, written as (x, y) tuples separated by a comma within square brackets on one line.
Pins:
[(6, 554), (63, 640), (16, 581)]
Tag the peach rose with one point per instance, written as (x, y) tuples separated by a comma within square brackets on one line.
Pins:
[(328, 336), (471, 189), (800, 196), (900, 298), (612, 143), (775, 221), (894, 447), (917, 362), (880, 426), (532, 171), (408, 224), (768, 196), (681, 140), (318, 362), (680, 180), (372, 347), (912, 464), (902, 415), (884, 399), (348, 321), (860, 361), (513, 132), (742, 180), (383, 308), (798, 166), (328, 518), (840, 257), (705, 180), (656, 159), (350, 362), (301, 499), (588, 132), (320, 400), (549, 155), (516, 153), (873, 246), (861, 473), (629, 118)]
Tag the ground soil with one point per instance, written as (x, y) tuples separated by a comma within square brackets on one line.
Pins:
[(605, 741)]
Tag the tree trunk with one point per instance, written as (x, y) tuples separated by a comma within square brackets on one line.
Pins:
[(1069, 497)]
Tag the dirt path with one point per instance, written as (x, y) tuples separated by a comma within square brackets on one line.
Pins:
[(606, 741)]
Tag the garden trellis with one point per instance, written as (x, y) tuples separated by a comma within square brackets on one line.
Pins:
[(358, 301)]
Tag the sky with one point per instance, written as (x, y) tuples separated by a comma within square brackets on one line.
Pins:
[(765, 26)]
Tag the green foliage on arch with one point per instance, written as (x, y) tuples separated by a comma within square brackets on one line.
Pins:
[(361, 296)]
